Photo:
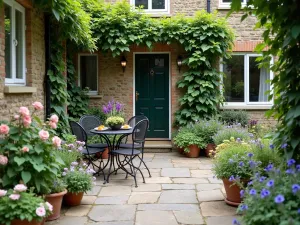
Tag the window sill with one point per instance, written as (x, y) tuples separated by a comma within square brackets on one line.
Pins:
[(247, 107), (19, 90), (157, 15)]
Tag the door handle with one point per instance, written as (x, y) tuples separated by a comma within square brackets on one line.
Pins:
[(137, 95)]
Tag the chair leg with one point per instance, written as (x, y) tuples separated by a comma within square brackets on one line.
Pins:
[(145, 166)]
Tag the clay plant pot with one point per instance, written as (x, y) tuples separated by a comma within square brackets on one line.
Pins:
[(105, 154), (73, 199), (232, 192), (26, 222), (55, 200), (194, 151), (208, 148)]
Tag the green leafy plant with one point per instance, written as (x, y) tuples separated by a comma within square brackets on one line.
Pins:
[(96, 111), (231, 117), (18, 204), (114, 120), (235, 131), (206, 129), (58, 185), (186, 137)]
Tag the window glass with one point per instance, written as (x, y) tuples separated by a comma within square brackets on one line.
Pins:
[(8, 40), (258, 84), (18, 42), (142, 3), (88, 72), (234, 79), (158, 4)]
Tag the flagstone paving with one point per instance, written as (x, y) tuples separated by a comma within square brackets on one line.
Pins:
[(181, 191)]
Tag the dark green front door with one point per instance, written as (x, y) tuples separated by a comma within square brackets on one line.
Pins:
[(152, 92)]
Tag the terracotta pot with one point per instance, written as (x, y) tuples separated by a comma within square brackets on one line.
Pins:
[(208, 148), (232, 192), (26, 222), (105, 154), (73, 199), (55, 200), (194, 151)]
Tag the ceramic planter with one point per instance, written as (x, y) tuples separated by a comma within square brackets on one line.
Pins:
[(116, 126), (73, 199), (55, 200), (208, 148), (232, 192), (194, 151), (26, 222)]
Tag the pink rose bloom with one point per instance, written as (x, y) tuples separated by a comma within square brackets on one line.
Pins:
[(20, 188), (54, 118), (24, 111), (25, 149), (16, 117), (56, 141), (40, 211), (14, 196), (53, 125), (50, 207), (27, 121), (3, 160), (44, 135), (2, 193), (38, 105), (4, 129)]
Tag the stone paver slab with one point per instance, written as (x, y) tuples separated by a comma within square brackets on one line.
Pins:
[(158, 180), (169, 207), (224, 220), (202, 173), (214, 180), (217, 209), (155, 218), (205, 167), (211, 195), (159, 165), (178, 186), (147, 188), (112, 200), (207, 187), (112, 223), (189, 217), (143, 197), (175, 172), (190, 180), (95, 190), (81, 210), (178, 196), (107, 213), (115, 191), (88, 200), (187, 165), (185, 160), (67, 220)]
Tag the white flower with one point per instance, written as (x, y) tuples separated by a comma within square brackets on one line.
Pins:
[(2, 193)]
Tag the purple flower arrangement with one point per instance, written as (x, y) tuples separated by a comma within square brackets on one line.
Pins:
[(113, 108)]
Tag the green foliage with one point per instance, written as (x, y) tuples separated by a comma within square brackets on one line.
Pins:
[(96, 111), (24, 208), (205, 37), (186, 137), (206, 129), (231, 117), (114, 120), (281, 35), (58, 185), (231, 131)]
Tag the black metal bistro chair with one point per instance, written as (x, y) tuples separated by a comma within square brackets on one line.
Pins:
[(92, 154), (89, 122), (138, 137)]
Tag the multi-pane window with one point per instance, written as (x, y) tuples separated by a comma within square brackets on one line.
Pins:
[(14, 26), (226, 3), (153, 6), (88, 72), (244, 82)]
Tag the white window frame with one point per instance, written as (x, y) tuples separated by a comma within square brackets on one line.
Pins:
[(79, 72), (155, 11), (247, 103), (226, 5), (16, 81)]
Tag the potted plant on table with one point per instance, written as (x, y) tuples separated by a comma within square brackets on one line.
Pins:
[(79, 179), (115, 114), (18, 207)]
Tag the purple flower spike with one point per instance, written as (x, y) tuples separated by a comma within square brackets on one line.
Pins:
[(279, 199), (105, 109), (118, 107)]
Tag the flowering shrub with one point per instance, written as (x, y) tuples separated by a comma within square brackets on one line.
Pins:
[(26, 151), (274, 199), (19, 204), (206, 129), (114, 120), (113, 109), (227, 132), (78, 178)]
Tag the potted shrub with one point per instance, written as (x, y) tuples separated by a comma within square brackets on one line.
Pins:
[(114, 112), (115, 122), (233, 164), (18, 207), (79, 179), (189, 141)]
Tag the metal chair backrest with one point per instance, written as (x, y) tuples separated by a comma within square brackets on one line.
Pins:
[(89, 122), (78, 131), (139, 131), (134, 120)]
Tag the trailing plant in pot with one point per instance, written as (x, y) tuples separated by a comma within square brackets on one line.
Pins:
[(79, 179), (18, 207), (115, 114)]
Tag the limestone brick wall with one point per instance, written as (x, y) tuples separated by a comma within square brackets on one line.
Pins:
[(35, 64)]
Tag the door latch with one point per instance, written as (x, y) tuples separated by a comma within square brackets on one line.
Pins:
[(137, 95)]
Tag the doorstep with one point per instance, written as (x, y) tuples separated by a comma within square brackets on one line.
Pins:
[(157, 146)]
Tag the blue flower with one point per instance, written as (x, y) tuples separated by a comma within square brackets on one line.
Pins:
[(250, 183), (262, 179), (269, 167), (284, 146), (230, 161), (270, 183), (251, 135), (252, 192), (295, 188), (264, 193), (242, 193), (279, 199), (243, 207), (298, 168), (241, 164), (235, 222), (271, 146), (289, 171), (291, 162), (231, 178), (238, 140), (252, 164), (298, 211), (250, 155)]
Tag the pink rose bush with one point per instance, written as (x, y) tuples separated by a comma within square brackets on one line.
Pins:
[(4, 129), (25, 149), (3, 160), (38, 105), (44, 135), (56, 141)]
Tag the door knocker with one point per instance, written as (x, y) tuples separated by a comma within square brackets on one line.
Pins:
[(151, 72)]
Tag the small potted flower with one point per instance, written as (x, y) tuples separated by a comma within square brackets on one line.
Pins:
[(18, 207), (79, 179), (115, 114)]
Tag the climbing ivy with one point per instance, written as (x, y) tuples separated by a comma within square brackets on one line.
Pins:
[(205, 37)]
